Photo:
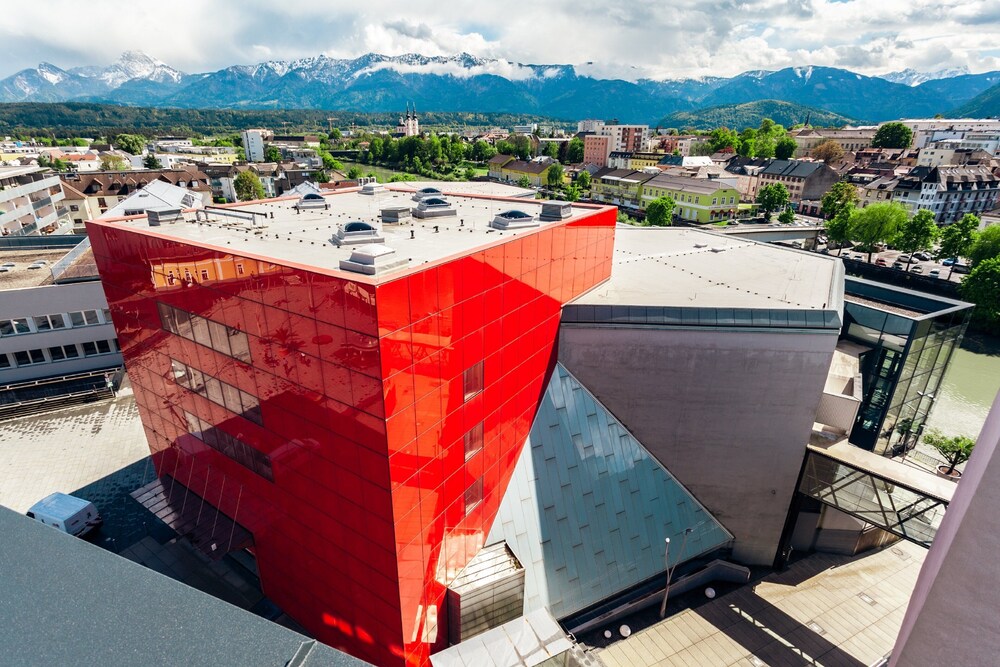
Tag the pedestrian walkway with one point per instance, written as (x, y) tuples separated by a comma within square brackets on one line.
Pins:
[(827, 610)]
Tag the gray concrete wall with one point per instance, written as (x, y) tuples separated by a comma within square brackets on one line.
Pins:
[(47, 300), (729, 413), (952, 616)]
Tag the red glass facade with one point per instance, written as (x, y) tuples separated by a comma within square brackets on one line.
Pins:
[(391, 411)]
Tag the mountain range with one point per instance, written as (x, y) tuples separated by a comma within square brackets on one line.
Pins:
[(379, 83)]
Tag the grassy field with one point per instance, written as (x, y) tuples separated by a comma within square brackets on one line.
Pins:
[(382, 173)]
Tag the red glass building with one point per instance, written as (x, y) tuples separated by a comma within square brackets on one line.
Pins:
[(362, 428)]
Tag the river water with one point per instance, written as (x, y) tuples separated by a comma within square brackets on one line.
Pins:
[(970, 385)]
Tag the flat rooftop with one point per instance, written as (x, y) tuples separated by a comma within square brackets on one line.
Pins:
[(20, 276), (686, 269), (282, 234)]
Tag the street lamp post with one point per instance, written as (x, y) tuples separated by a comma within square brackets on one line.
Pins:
[(670, 570)]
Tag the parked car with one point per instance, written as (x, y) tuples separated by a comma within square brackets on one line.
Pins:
[(898, 265), (67, 513), (922, 256), (917, 269), (934, 272), (880, 262), (961, 268), (905, 259), (8, 265), (948, 262), (5, 269)]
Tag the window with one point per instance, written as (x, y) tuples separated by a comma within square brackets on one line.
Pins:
[(49, 322), (220, 393), (212, 334), (204, 274), (29, 357), (74, 207), (4, 360), (239, 269), (82, 318), (473, 495), (230, 446), (14, 327), (107, 315), (715, 200), (93, 348), (61, 352), (474, 441), (472, 380)]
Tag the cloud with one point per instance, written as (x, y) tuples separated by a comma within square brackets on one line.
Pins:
[(642, 38), (503, 68)]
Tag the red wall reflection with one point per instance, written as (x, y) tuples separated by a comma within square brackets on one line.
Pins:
[(388, 467)]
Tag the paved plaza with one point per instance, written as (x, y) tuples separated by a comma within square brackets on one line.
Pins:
[(68, 449), (825, 610)]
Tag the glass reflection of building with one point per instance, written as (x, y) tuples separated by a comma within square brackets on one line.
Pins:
[(910, 337)]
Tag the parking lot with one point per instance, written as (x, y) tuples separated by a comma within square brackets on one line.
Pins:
[(891, 259)]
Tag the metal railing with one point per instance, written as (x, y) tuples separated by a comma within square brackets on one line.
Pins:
[(63, 264)]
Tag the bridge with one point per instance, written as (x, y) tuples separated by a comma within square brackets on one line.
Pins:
[(772, 233)]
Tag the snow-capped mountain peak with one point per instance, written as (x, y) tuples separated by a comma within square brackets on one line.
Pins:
[(131, 65), (911, 77)]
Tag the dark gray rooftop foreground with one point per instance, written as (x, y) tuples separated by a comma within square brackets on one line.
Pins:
[(67, 602)]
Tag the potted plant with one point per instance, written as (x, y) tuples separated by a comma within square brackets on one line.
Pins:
[(955, 450)]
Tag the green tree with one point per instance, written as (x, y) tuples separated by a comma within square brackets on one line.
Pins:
[(248, 186), (982, 287), (523, 182), (957, 239), (892, 135), (878, 223), (331, 163), (554, 176), (574, 151), (785, 148), (551, 149), (272, 154), (772, 197), (152, 162), (838, 228), (482, 151), (469, 174), (955, 450), (134, 144), (829, 151), (786, 217), (722, 138), (840, 196), (321, 176), (660, 212), (986, 245), (113, 163), (918, 233), (572, 192), (583, 180), (354, 173)]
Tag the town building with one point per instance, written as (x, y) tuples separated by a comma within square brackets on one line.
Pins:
[(409, 124), (699, 200), (55, 321), (643, 160), (850, 139), (948, 192), (804, 180), (950, 152), (631, 138), (357, 412), (589, 125), (31, 203), (620, 160), (747, 172), (253, 143), (90, 195), (926, 130), (619, 187), (536, 170), (596, 149)]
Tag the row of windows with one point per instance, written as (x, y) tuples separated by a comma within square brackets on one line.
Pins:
[(689, 199), (230, 342), (230, 446), (80, 318), (217, 391), (59, 353)]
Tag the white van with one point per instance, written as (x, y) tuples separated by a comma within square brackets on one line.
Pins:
[(69, 514)]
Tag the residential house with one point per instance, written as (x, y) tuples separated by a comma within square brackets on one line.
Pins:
[(620, 160), (631, 138), (643, 160), (89, 195), (700, 200), (878, 191), (746, 170), (620, 187), (804, 180), (222, 178), (927, 130), (493, 166), (536, 171)]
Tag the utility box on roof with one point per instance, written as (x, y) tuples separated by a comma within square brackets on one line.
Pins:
[(486, 594)]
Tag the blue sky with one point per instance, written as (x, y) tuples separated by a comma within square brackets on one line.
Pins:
[(654, 38)]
